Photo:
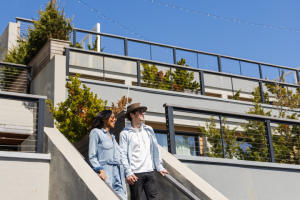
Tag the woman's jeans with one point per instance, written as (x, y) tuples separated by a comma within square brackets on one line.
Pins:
[(146, 181)]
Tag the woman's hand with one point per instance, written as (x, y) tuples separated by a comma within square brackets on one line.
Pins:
[(131, 179), (102, 174)]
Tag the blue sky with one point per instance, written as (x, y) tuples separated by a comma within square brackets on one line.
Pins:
[(163, 24)]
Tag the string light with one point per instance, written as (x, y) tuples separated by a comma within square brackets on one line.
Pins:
[(111, 20), (220, 17)]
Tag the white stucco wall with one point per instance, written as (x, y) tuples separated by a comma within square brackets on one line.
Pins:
[(24, 176), (9, 37), (51, 82)]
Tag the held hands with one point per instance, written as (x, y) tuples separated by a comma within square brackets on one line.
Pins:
[(163, 172), (102, 174), (131, 179)]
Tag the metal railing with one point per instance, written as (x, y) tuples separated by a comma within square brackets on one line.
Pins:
[(198, 59), (22, 122), (170, 76), (15, 77), (153, 51), (234, 135)]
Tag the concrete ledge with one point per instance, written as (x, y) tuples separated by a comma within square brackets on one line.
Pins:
[(239, 163), (20, 155), (70, 174), (171, 93)]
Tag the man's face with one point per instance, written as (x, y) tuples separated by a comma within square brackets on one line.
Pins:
[(138, 116)]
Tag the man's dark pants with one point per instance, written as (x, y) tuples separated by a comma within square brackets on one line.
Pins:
[(146, 181)]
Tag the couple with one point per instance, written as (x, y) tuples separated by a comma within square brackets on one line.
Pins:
[(136, 158)]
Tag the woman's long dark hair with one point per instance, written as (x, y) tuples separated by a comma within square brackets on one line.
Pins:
[(103, 115)]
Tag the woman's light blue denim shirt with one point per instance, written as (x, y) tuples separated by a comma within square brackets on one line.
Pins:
[(104, 153)]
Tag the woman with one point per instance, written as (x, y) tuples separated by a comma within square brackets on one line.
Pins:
[(104, 153)]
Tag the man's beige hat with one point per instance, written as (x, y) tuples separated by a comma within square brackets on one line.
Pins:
[(134, 106)]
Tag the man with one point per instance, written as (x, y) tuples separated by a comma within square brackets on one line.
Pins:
[(140, 154)]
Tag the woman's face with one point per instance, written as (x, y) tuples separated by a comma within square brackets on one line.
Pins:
[(110, 122)]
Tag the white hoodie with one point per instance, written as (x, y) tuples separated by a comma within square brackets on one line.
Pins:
[(141, 157)]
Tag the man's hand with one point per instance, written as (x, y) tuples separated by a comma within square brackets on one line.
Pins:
[(163, 172), (102, 174), (131, 179)]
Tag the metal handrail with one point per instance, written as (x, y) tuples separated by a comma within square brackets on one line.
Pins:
[(174, 48), (170, 108), (180, 48)]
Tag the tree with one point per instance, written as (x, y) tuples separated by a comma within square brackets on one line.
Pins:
[(121, 105), (232, 147), (181, 79), (75, 116), (51, 23)]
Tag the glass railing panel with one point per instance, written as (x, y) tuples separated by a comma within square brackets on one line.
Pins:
[(162, 54), (270, 73), (18, 130), (286, 143), (245, 90), (208, 62), (250, 69), (217, 86), (186, 81), (231, 66), (186, 58), (120, 71), (156, 77), (86, 60), (13, 79), (139, 50)]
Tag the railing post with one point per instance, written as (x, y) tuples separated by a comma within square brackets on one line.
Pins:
[(219, 64), (28, 79), (262, 96), (171, 78), (297, 76), (222, 137), (67, 61), (40, 126), (103, 68), (150, 52), (74, 38), (170, 129), (174, 56), (125, 47), (138, 67), (270, 140), (232, 89), (260, 71), (202, 86)]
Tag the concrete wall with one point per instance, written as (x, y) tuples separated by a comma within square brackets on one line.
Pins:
[(71, 178), (154, 100), (9, 38), (24, 176), (247, 180), (50, 82)]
